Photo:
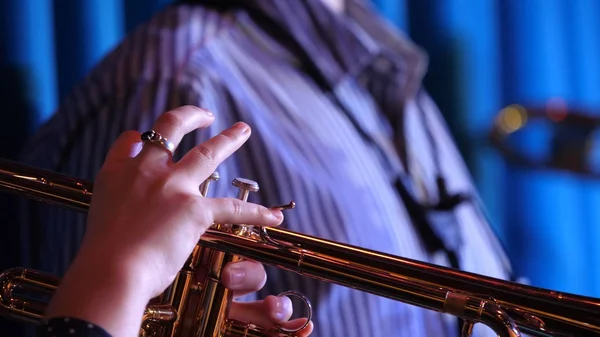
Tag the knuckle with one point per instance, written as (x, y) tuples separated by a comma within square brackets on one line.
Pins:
[(236, 207), (264, 212), (230, 136), (172, 120), (205, 154)]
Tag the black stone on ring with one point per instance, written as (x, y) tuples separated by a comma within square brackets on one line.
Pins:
[(156, 138)]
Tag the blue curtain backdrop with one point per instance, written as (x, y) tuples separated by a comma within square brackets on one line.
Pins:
[(488, 54), (484, 55)]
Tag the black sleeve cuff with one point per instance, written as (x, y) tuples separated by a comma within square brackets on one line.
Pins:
[(72, 327)]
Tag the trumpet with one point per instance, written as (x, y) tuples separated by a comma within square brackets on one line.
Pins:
[(188, 308)]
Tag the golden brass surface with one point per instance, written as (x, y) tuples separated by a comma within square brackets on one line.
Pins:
[(191, 309)]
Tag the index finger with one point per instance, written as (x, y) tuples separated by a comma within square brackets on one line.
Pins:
[(235, 211)]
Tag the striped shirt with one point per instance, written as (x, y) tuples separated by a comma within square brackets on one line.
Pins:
[(338, 118)]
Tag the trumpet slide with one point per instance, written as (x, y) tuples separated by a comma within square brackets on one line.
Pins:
[(188, 309)]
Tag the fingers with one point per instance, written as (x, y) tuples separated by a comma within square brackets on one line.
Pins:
[(173, 125), (244, 277), (203, 159), (235, 211), (127, 145), (297, 324), (268, 312), (263, 313)]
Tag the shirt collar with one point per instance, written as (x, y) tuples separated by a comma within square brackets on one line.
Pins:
[(342, 44)]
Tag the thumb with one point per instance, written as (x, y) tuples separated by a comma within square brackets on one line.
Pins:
[(127, 146)]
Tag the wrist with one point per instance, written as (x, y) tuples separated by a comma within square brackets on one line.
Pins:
[(102, 290), (114, 267)]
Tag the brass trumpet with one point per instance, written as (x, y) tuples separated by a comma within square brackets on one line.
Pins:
[(190, 309)]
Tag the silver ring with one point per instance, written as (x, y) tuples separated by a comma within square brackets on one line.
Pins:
[(156, 138)]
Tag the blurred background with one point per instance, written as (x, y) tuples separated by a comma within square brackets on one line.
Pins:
[(492, 63)]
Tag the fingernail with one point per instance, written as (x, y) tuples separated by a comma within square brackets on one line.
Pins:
[(209, 113), (283, 308), (243, 128), (236, 276), (277, 214)]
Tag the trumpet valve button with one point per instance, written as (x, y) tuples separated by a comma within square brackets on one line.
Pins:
[(245, 186)]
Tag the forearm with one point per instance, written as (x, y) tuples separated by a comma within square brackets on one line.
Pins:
[(100, 291)]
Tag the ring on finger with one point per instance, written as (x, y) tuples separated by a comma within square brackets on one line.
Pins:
[(156, 138)]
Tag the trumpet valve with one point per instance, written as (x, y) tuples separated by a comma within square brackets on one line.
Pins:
[(204, 187), (245, 187)]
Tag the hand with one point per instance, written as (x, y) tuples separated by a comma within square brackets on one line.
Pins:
[(264, 313), (146, 217), (149, 209)]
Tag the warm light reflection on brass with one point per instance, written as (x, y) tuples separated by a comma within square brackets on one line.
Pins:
[(566, 138), (512, 118), (189, 309)]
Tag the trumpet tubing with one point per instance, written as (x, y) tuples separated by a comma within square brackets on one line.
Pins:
[(190, 309)]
